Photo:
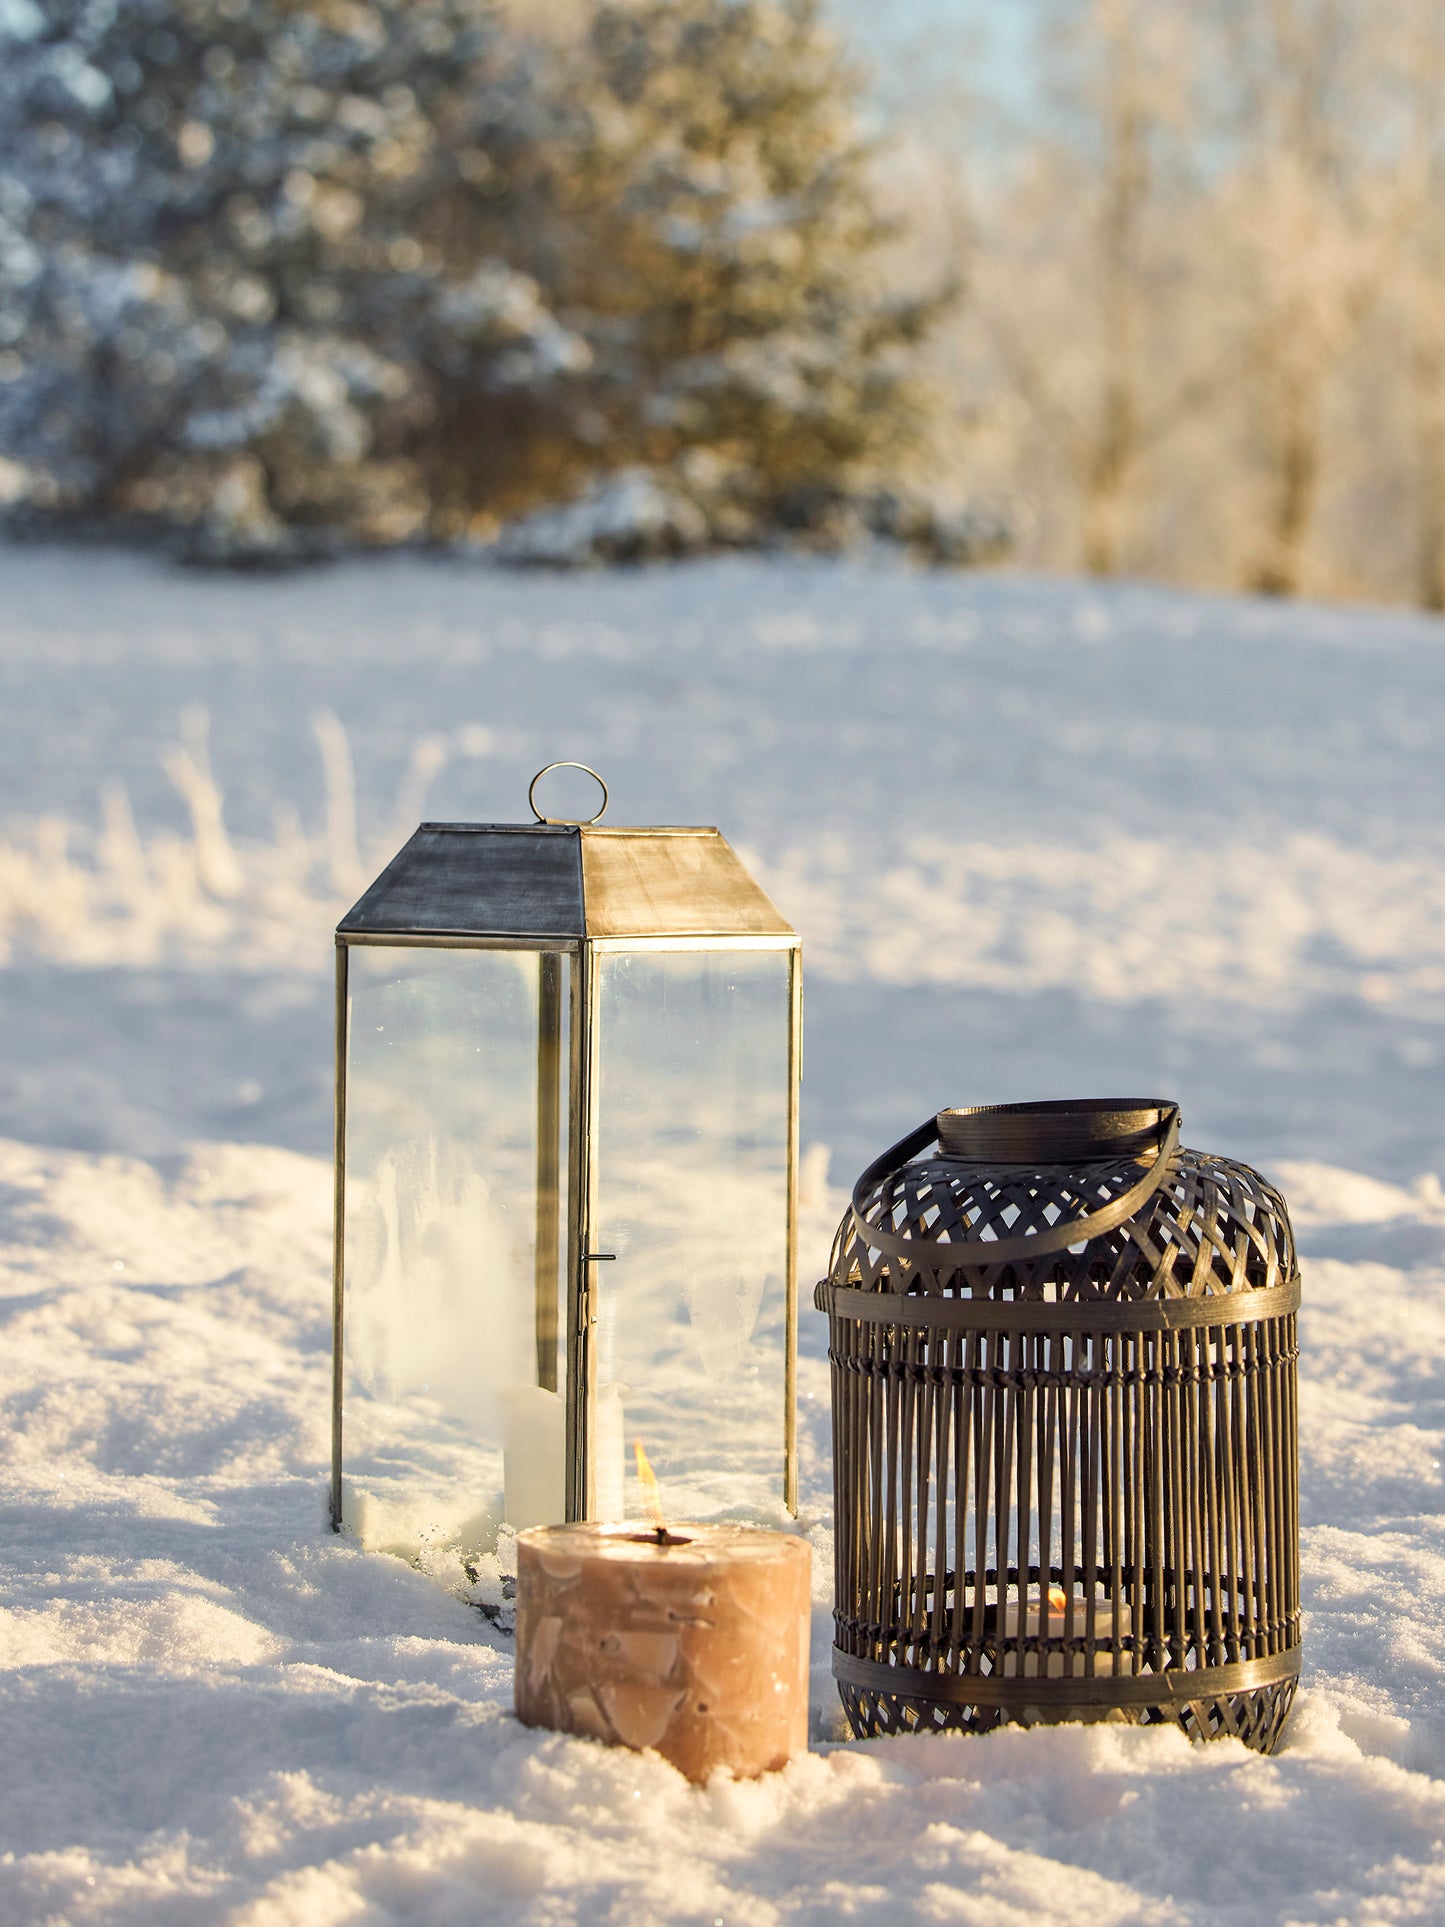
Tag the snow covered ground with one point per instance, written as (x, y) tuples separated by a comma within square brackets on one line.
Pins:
[(1039, 839)]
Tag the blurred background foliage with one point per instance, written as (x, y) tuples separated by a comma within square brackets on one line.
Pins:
[(1203, 251), (1139, 286), (283, 270)]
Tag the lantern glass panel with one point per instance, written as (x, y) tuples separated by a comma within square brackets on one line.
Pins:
[(455, 1280), (690, 1146)]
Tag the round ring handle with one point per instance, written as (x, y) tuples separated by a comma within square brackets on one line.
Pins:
[(577, 822)]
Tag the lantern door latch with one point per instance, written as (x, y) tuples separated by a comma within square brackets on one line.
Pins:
[(586, 1302)]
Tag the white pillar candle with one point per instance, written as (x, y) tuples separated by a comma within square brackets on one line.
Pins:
[(534, 1456), (1050, 1620), (609, 1455), (689, 1639)]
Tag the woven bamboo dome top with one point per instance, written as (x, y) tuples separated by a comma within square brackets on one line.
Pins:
[(980, 1202)]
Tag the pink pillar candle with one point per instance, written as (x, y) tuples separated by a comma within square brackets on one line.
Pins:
[(696, 1647)]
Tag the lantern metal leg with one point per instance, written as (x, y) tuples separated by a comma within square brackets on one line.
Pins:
[(338, 1230), (549, 1132), (790, 1387), (581, 1365)]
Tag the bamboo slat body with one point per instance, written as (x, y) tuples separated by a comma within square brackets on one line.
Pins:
[(1114, 1420)]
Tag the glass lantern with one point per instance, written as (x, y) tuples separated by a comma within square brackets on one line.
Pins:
[(566, 1172)]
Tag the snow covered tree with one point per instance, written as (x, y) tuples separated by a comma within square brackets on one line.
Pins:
[(715, 239), (254, 266), (1313, 223), (281, 269), (1091, 280)]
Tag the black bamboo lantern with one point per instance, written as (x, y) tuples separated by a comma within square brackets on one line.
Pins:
[(566, 1136), (1065, 1430)]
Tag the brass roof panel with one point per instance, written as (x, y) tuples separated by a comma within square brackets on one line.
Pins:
[(671, 883)]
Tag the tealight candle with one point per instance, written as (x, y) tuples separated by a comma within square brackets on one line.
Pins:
[(692, 1640), (1050, 1620)]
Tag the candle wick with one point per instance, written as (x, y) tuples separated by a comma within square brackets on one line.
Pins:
[(660, 1533)]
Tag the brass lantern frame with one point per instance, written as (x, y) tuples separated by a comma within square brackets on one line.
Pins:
[(583, 891)]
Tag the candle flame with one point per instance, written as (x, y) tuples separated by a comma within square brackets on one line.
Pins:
[(1058, 1599), (651, 1491)]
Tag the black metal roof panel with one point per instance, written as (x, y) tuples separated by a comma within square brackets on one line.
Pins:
[(477, 880)]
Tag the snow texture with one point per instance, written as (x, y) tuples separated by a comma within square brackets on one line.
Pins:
[(1039, 839)]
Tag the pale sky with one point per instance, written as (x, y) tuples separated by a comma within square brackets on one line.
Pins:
[(927, 45)]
